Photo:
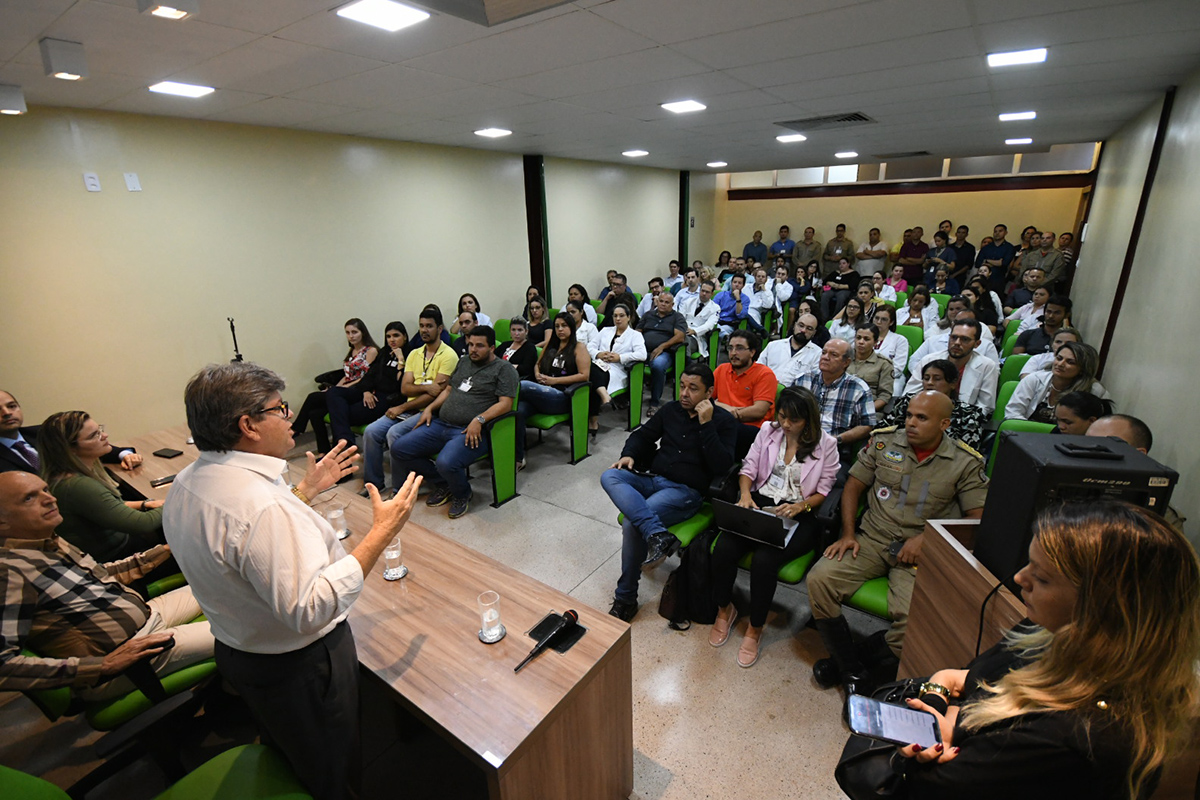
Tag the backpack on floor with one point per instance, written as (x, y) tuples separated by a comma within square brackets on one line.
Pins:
[(687, 596)]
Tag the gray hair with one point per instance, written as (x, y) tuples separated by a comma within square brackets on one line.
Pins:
[(218, 396)]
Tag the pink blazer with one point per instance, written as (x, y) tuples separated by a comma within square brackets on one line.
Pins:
[(817, 472)]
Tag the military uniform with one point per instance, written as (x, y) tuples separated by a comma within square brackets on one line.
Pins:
[(877, 372), (901, 495)]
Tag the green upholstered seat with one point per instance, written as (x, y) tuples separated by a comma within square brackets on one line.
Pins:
[(791, 572), (1010, 341), (577, 417), (501, 328), (691, 527), (1003, 395), (872, 597), (358, 429), (167, 584), (636, 390), (942, 301), (915, 336), (112, 714), (15, 784), (1018, 425), (1011, 371), (502, 454)]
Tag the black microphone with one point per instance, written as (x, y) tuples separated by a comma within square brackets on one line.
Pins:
[(569, 618)]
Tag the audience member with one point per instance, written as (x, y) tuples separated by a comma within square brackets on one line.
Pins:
[(1053, 710), (81, 623), (540, 324), (270, 573), (674, 280), (789, 358), (1044, 361), (810, 306), (1136, 433), (785, 246), (909, 475), (755, 251), (782, 289), (1076, 411), (724, 267), (481, 388), (896, 280), (578, 294), (690, 289), (738, 267), (695, 442), (997, 254), (522, 353), (839, 287), (870, 367), (892, 346), (789, 471), (617, 349), (608, 279), (806, 250), (987, 297), (620, 288), (883, 290), (912, 256), (942, 283), (939, 256), (1047, 258), (585, 331), (762, 300), (846, 321), (871, 255), (1031, 279), (836, 249), (468, 302), (1066, 246), (745, 388), (700, 315), (362, 353), (977, 374), (465, 323), (564, 363), (380, 389), (847, 411), (18, 443), (1037, 340), (938, 337), (426, 373), (655, 285), (1037, 394), (964, 254), (94, 517), (810, 283), (1030, 311), (966, 420), (663, 330), (920, 312), (980, 303), (734, 305)]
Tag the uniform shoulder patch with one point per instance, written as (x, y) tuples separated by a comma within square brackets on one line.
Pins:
[(888, 429), (969, 449)]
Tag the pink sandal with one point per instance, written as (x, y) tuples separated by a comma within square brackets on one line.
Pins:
[(722, 626)]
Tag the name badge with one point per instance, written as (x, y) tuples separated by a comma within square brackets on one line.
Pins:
[(776, 482), (465, 386)]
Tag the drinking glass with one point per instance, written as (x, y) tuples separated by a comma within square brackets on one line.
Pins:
[(490, 629), (337, 520), (393, 566)]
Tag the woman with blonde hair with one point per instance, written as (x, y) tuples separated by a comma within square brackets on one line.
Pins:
[(1096, 696), (95, 518), (1037, 395)]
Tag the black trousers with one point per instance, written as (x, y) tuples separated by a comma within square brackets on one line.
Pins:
[(314, 408), (306, 703), (764, 567), (598, 379)]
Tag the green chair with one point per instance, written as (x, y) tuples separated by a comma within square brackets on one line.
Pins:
[(1009, 343), (691, 527), (901, 299), (915, 336), (872, 598), (635, 389), (1003, 395), (1011, 370), (577, 417), (791, 572), (595, 304), (1016, 426), (249, 772), (501, 328), (502, 454), (942, 300), (553, 312), (680, 364)]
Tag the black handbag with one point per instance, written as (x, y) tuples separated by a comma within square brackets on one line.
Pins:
[(871, 768)]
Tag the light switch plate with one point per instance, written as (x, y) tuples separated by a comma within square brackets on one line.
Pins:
[(132, 183), (91, 181)]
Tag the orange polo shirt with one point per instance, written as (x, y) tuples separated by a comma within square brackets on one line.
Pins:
[(741, 391)]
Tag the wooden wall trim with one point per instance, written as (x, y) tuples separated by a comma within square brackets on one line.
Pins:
[(1072, 181), (535, 223)]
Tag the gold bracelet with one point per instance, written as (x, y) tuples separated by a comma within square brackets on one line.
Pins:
[(929, 687), (296, 491)]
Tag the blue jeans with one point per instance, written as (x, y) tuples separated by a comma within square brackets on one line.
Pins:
[(414, 451), (659, 368), (537, 398), (379, 437), (650, 504)]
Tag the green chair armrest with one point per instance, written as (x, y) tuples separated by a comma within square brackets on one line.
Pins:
[(249, 772)]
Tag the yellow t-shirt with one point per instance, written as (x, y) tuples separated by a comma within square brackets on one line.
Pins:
[(425, 369)]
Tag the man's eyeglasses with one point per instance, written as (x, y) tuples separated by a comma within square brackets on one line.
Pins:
[(282, 408)]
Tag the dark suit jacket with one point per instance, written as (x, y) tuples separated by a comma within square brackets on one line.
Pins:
[(10, 461)]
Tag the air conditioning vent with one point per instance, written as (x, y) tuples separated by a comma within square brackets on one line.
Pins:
[(827, 122), (907, 154)]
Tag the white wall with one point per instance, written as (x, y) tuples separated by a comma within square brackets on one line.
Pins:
[(608, 216)]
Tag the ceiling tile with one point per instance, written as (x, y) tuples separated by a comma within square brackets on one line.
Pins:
[(663, 22), (143, 101), (259, 16), (332, 32), (41, 89), (609, 73), (387, 87), (275, 67), (703, 87), (22, 22), (279, 111)]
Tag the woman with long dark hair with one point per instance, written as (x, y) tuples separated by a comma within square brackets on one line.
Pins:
[(564, 362), (361, 354)]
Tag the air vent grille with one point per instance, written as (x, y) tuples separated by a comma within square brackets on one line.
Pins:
[(827, 122)]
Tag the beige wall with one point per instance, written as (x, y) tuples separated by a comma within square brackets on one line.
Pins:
[(114, 299), (1151, 368), (608, 216), (1047, 208)]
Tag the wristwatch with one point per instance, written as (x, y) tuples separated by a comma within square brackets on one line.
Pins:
[(482, 421)]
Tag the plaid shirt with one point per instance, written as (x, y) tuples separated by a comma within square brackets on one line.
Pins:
[(62, 604), (844, 405)]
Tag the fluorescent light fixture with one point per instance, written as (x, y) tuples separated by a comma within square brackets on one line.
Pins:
[(63, 60), (173, 9), (635, 153), (1018, 141), (684, 106), (792, 137), (846, 154), (383, 14), (181, 89), (1018, 115), (717, 164), (493, 133), (12, 100), (1035, 56)]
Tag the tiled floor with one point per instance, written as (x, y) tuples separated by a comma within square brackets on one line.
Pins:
[(703, 727)]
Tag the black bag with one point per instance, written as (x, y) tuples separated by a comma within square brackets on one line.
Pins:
[(687, 596), (871, 768)]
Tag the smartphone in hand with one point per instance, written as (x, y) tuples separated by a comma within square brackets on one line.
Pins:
[(900, 725)]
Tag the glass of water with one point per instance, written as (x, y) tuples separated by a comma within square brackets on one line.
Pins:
[(490, 628), (337, 520), (393, 565)]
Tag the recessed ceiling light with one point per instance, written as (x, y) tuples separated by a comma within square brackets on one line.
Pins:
[(684, 106), (1035, 56), (792, 137), (12, 100), (175, 9), (1018, 141), (635, 153), (846, 154), (1018, 115), (718, 164), (383, 14), (181, 89), (493, 133)]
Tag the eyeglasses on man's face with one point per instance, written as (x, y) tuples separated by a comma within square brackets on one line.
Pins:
[(282, 408)]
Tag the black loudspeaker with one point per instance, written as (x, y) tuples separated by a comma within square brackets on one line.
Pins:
[(1035, 470)]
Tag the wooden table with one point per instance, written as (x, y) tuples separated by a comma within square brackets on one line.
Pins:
[(561, 728)]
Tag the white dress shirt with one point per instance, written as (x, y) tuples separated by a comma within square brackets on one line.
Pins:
[(267, 570), (589, 335), (941, 341), (1033, 390), (589, 313), (841, 330), (1042, 361), (782, 291), (895, 348), (887, 293), (646, 304), (684, 294), (630, 346), (788, 366), (701, 323), (761, 302), (976, 384), (929, 315)]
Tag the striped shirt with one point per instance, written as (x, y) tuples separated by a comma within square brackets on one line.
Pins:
[(66, 607)]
